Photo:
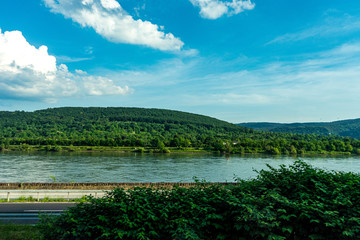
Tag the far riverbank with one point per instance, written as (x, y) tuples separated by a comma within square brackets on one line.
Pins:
[(182, 150)]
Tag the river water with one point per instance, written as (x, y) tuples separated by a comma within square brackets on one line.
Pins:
[(131, 167)]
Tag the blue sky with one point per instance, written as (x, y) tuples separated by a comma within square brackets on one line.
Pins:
[(236, 60)]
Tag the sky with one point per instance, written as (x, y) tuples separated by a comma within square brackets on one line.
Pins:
[(235, 60)]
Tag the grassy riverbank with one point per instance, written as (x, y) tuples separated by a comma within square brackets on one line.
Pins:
[(51, 148), (182, 150)]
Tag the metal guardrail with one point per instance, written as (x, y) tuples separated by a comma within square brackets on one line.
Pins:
[(49, 194), (37, 191), (94, 186), (30, 217)]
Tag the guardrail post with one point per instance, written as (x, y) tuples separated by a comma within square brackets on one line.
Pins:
[(8, 196), (68, 196), (38, 198)]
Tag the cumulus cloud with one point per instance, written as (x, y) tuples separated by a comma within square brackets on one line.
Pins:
[(111, 21), (30, 72), (213, 9), (16, 53)]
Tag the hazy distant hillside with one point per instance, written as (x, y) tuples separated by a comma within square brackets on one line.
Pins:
[(345, 128)]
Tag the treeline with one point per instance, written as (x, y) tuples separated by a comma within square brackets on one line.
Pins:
[(344, 128), (154, 129)]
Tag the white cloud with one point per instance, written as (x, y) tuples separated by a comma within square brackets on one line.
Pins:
[(16, 53), (347, 49), (110, 4), (322, 85), (103, 86), (314, 87), (71, 59), (87, 2), (233, 98), (30, 72), (213, 9), (229, 99), (328, 28), (112, 22)]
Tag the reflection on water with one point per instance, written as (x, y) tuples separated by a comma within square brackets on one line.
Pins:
[(132, 167)]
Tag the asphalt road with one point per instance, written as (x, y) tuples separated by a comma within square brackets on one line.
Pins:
[(28, 213)]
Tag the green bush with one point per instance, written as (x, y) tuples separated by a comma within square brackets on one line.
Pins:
[(295, 202)]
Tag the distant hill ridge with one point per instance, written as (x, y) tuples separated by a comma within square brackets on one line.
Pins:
[(108, 122), (344, 128), (132, 114)]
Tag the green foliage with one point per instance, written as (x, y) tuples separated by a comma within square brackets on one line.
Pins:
[(23, 147), (344, 128), (53, 178), (155, 130), (296, 202), (19, 232)]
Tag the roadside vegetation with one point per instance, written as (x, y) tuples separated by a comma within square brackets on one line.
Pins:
[(46, 199), (152, 131), (19, 232), (295, 202)]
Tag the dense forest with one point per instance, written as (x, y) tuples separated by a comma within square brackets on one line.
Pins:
[(154, 130), (344, 128)]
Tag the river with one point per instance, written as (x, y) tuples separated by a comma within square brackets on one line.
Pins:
[(131, 167)]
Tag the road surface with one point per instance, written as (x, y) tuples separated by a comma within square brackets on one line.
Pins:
[(28, 213)]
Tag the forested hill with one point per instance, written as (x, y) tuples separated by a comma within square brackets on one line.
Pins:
[(98, 115), (111, 126), (157, 130), (345, 128)]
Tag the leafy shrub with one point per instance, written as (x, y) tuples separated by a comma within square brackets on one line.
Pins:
[(295, 202)]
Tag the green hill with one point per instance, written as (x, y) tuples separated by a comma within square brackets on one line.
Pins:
[(158, 130), (76, 117), (344, 128), (113, 127)]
